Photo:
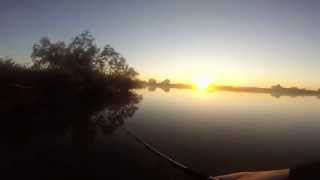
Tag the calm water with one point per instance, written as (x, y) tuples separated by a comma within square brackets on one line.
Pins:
[(217, 132), (220, 132)]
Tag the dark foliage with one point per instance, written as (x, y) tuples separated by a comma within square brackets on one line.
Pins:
[(73, 91), (67, 78), (59, 71)]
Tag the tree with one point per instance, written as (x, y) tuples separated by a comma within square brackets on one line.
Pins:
[(165, 82), (276, 87), (7, 64), (80, 55), (6, 61), (49, 55), (113, 64), (152, 81)]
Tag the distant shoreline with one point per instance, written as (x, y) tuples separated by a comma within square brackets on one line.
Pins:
[(276, 90)]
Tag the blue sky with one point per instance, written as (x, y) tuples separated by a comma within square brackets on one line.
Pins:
[(240, 42)]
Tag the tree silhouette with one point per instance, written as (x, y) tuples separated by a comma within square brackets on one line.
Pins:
[(113, 64), (165, 82), (8, 64), (80, 55), (152, 82)]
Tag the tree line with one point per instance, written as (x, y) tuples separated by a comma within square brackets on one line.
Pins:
[(79, 64)]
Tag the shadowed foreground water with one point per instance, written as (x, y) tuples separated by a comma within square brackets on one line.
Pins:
[(215, 132)]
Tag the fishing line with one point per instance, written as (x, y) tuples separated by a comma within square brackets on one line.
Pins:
[(187, 170)]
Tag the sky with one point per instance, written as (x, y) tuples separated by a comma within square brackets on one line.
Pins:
[(233, 42)]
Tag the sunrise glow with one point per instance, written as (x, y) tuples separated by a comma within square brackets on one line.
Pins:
[(202, 82)]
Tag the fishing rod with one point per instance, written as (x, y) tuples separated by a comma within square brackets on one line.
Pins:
[(187, 170)]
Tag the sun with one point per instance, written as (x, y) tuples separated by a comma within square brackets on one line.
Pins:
[(202, 82)]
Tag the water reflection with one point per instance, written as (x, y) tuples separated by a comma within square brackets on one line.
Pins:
[(114, 115), (57, 139), (83, 119), (229, 131), (215, 132)]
